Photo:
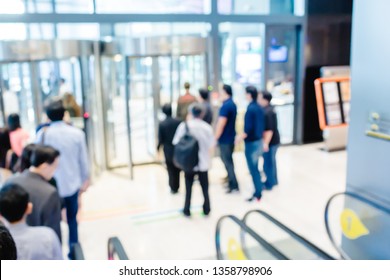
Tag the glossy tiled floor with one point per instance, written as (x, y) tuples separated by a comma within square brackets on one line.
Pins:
[(147, 219)]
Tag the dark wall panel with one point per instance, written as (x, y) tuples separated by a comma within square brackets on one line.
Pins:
[(328, 43)]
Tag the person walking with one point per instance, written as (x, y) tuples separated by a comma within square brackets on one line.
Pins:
[(43, 163), (203, 133), (166, 132), (205, 101), (32, 243), (253, 134), (184, 102), (225, 135), (18, 138), (72, 175), (271, 140)]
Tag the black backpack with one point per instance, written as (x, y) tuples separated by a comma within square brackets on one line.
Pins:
[(185, 155)]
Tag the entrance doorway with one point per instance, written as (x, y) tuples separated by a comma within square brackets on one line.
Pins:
[(148, 82), (32, 72)]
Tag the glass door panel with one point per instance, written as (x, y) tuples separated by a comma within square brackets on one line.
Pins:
[(17, 94), (92, 113), (165, 70), (114, 105), (27, 85), (153, 81), (188, 68), (142, 109), (193, 70), (70, 89)]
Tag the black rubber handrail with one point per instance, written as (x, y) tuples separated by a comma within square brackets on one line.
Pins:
[(77, 252), (275, 252), (361, 198), (115, 247), (292, 233)]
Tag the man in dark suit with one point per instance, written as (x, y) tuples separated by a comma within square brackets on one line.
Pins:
[(47, 205), (166, 132)]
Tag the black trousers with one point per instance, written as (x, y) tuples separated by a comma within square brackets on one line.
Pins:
[(174, 176), (204, 183)]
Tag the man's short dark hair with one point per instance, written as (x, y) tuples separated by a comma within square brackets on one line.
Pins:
[(43, 154), (55, 110), (13, 202), (167, 110), (196, 110), (7, 245), (25, 157), (13, 122), (252, 91), (228, 90), (204, 94), (187, 85), (267, 95)]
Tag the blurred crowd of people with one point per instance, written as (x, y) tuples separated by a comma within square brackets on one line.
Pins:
[(195, 118), (41, 177)]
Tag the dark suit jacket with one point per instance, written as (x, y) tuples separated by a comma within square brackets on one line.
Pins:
[(166, 132), (45, 200), (208, 113)]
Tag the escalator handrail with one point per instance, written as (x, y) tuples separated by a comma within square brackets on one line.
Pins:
[(77, 252), (114, 245), (292, 233), (357, 197), (275, 252)]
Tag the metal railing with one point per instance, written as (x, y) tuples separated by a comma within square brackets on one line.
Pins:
[(115, 247), (319, 252), (244, 228), (358, 197)]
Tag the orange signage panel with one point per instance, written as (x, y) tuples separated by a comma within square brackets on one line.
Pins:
[(333, 101)]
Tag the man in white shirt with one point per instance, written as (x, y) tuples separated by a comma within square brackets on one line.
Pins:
[(72, 174), (32, 243), (203, 133)]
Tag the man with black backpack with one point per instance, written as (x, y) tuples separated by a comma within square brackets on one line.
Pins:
[(193, 144)]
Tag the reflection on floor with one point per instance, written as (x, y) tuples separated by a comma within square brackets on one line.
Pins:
[(147, 219)]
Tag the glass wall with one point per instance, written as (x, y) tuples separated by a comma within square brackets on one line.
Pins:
[(39, 6), (12, 7), (158, 6), (242, 57), (265, 57), (250, 53), (83, 31), (149, 29), (41, 31), (261, 7), (106, 6), (13, 31), (76, 6)]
